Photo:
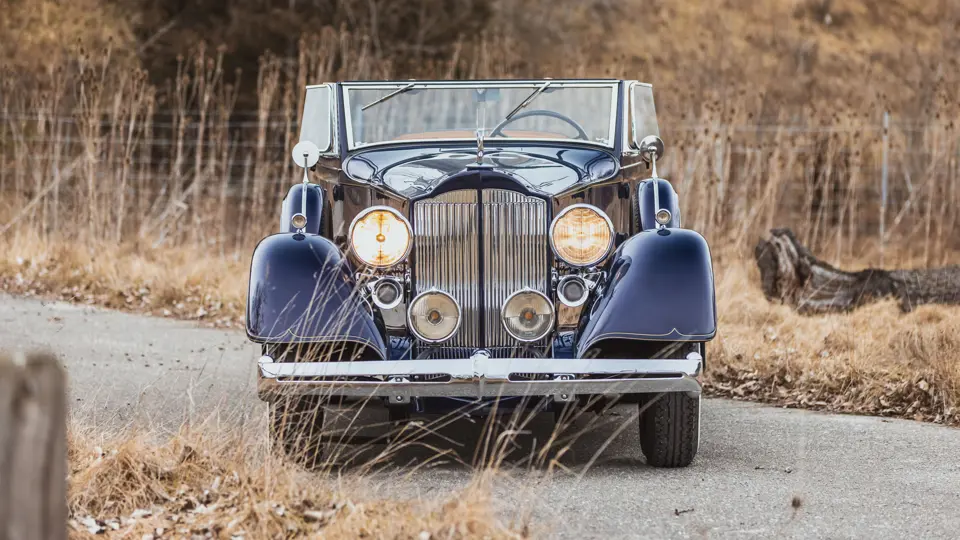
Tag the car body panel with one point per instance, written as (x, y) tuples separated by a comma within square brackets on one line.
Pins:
[(646, 204), (659, 288), (293, 204), (303, 290), (411, 172)]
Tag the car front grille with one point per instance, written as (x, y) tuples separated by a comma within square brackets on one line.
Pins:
[(480, 246)]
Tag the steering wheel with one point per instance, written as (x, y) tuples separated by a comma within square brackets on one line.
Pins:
[(581, 134)]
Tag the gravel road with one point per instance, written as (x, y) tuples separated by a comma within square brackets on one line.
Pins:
[(762, 472)]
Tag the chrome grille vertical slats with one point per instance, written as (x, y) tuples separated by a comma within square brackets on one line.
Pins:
[(447, 257), (515, 254)]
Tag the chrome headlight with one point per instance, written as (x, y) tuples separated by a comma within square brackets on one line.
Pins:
[(528, 315), (581, 235), (663, 216), (299, 221), (380, 237), (434, 316)]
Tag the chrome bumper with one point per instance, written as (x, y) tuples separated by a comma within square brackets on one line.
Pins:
[(480, 376)]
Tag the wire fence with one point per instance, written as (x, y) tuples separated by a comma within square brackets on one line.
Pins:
[(845, 188)]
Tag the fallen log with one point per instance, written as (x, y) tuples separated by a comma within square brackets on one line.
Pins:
[(790, 274)]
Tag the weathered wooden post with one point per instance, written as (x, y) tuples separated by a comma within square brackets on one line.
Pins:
[(33, 449)]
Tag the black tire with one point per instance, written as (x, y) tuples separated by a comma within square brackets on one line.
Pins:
[(296, 427), (670, 429)]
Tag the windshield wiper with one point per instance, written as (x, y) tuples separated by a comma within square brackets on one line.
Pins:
[(398, 91), (526, 102)]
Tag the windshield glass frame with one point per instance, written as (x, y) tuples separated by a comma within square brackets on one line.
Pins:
[(612, 85)]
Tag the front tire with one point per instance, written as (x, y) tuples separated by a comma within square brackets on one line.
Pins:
[(670, 429), (296, 427)]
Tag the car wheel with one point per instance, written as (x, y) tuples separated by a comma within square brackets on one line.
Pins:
[(296, 427), (670, 429)]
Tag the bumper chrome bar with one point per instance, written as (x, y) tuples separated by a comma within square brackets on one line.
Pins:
[(480, 376)]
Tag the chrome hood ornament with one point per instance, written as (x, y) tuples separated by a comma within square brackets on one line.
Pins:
[(480, 146)]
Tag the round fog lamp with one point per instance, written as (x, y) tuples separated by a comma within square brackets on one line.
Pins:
[(528, 315), (434, 316), (663, 216), (572, 291), (387, 293)]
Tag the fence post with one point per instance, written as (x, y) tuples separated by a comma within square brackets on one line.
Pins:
[(33, 449), (884, 177)]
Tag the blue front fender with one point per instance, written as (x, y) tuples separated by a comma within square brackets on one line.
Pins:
[(302, 290), (659, 288)]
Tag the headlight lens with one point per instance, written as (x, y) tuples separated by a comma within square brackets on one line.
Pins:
[(434, 316), (299, 221), (528, 315), (581, 235), (380, 237), (663, 216)]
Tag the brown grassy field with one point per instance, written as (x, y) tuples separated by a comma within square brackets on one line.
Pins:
[(213, 484), (147, 196)]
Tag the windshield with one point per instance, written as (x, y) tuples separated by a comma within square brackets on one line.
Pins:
[(542, 110)]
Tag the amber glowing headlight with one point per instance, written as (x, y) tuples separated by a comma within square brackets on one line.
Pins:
[(380, 237), (581, 235), (527, 315)]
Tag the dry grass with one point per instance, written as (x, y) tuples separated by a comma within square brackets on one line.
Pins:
[(217, 485), (823, 54), (184, 282), (875, 360), (91, 147)]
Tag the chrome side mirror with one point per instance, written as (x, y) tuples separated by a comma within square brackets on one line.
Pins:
[(306, 155), (651, 148)]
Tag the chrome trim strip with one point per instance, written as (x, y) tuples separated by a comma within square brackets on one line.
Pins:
[(481, 376)]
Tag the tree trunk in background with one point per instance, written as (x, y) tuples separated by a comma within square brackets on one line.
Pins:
[(789, 273), (33, 449)]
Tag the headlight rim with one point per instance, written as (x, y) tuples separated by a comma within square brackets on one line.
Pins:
[(364, 213), (413, 328), (553, 315), (599, 212)]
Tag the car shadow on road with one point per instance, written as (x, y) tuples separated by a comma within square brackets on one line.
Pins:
[(525, 440)]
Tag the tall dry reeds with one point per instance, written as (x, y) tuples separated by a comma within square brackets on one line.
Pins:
[(95, 153)]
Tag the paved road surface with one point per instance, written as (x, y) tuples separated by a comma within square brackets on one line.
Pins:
[(854, 477)]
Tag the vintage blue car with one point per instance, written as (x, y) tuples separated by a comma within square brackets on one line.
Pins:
[(486, 245)]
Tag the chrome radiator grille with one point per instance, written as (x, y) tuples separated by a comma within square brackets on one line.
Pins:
[(449, 256), (514, 254)]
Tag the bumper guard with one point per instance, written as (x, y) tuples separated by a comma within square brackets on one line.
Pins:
[(480, 376)]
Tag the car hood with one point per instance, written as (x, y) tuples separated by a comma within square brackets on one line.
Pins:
[(415, 172)]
